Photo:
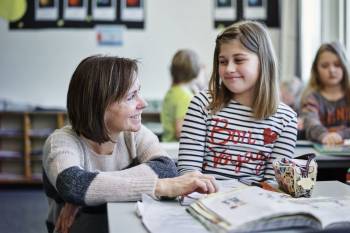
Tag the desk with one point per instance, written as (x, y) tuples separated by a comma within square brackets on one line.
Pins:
[(122, 216), (324, 161)]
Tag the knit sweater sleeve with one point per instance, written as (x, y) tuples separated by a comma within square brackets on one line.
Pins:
[(65, 164), (149, 151), (314, 129)]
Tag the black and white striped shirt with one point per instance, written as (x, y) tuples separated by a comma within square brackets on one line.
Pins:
[(233, 144)]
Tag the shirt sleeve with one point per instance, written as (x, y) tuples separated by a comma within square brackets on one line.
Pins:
[(193, 135), (63, 164), (314, 129), (284, 146), (182, 105)]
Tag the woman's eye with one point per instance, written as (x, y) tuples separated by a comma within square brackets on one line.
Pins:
[(131, 97), (222, 62)]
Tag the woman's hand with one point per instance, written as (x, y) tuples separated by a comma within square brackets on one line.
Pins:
[(332, 139), (66, 218), (185, 184)]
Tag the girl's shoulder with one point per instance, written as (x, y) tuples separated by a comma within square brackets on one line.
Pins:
[(203, 97), (285, 111)]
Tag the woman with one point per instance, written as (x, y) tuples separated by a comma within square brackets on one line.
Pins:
[(106, 154)]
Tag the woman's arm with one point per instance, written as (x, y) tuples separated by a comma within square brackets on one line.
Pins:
[(64, 165)]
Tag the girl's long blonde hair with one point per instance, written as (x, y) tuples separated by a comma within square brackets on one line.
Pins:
[(254, 37)]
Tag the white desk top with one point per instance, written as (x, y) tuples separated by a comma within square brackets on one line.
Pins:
[(122, 216)]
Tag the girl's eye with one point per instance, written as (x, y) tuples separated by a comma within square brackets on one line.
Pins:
[(239, 61), (222, 62), (324, 66)]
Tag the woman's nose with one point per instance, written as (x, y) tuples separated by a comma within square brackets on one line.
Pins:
[(141, 102)]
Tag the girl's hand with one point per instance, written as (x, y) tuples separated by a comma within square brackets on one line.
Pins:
[(66, 218), (185, 184), (332, 139)]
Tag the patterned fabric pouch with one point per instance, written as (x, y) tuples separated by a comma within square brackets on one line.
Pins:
[(297, 176)]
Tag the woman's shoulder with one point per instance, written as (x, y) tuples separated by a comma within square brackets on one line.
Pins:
[(64, 134)]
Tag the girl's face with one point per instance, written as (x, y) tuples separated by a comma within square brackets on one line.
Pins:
[(239, 71), (329, 69), (125, 115)]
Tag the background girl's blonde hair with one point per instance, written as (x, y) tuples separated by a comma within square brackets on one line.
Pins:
[(315, 84), (254, 37)]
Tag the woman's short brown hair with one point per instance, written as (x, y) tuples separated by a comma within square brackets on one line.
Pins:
[(97, 82), (185, 66)]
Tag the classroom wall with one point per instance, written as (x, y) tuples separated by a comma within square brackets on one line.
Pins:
[(36, 65)]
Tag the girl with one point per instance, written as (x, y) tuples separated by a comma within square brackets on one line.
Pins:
[(238, 127), (326, 100), (185, 67)]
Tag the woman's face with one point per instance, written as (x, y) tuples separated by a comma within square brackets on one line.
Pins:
[(125, 115), (329, 69), (239, 70)]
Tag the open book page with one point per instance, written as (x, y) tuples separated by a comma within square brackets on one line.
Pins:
[(240, 209), (327, 210), (167, 217), (223, 185)]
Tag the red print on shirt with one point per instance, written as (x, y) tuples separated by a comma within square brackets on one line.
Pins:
[(233, 135), (222, 158), (269, 136)]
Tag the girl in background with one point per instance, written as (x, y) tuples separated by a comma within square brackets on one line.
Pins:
[(326, 99), (238, 127), (185, 67)]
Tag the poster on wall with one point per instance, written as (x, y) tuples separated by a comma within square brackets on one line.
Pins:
[(225, 10), (255, 9), (75, 10), (132, 10), (104, 10), (110, 34), (46, 10)]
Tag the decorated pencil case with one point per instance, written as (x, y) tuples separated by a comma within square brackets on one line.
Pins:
[(297, 176)]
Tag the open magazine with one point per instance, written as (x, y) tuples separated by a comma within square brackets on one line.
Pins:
[(254, 209)]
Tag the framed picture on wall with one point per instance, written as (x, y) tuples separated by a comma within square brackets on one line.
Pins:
[(75, 10), (46, 10), (225, 10), (132, 10), (104, 10), (255, 9)]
